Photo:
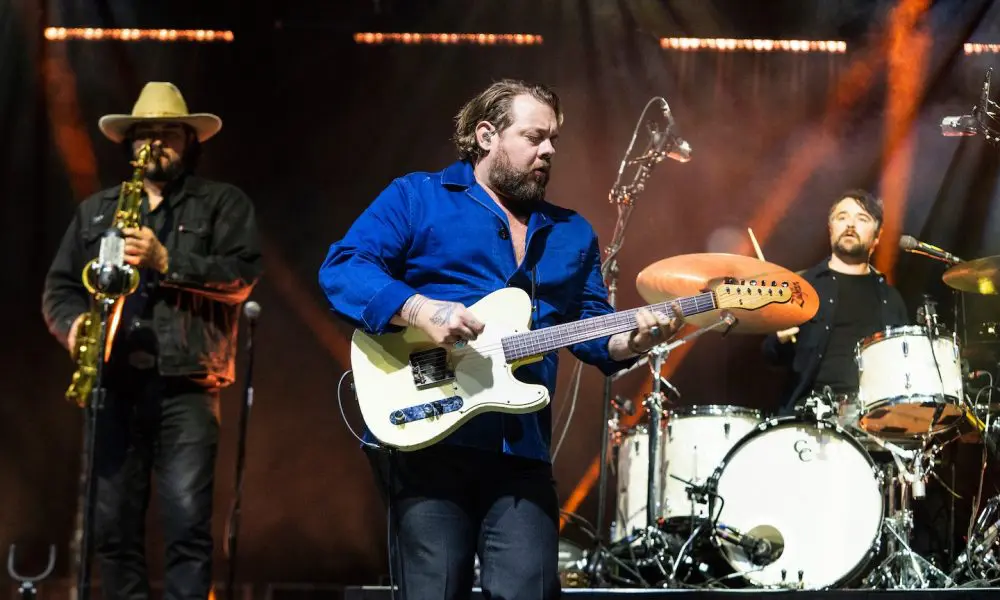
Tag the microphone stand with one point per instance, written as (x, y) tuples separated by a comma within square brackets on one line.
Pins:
[(233, 523), (624, 197), (89, 495)]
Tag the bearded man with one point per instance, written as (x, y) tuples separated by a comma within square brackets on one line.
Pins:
[(855, 302), (174, 349), (429, 246)]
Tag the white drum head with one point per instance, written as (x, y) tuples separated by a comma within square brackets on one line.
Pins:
[(816, 487)]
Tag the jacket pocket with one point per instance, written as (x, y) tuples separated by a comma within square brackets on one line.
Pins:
[(194, 236)]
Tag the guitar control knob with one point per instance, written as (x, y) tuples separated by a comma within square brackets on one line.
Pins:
[(397, 417)]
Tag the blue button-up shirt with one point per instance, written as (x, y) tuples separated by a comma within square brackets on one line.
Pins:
[(441, 235)]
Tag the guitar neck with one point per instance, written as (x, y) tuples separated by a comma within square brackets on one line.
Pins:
[(549, 339)]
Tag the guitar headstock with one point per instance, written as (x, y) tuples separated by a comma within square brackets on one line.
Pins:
[(752, 294)]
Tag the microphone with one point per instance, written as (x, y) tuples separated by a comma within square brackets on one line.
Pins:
[(957, 126), (966, 125), (763, 544), (251, 310), (912, 244), (669, 145)]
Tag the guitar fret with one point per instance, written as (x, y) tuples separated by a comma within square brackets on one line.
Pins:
[(552, 338)]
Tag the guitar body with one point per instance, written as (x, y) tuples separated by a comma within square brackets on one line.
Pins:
[(413, 393)]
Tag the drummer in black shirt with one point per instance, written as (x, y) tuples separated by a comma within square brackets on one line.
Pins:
[(855, 302)]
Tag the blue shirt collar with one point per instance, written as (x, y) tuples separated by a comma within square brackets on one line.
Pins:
[(460, 175)]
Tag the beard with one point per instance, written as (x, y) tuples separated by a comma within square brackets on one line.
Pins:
[(162, 173), (851, 246), (525, 188)]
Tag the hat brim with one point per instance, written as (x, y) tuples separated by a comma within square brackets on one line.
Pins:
[(115, 127)]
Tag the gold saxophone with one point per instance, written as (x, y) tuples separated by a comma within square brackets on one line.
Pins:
[(108, 286)]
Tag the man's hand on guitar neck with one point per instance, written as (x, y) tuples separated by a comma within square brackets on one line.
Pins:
[(652, 329), (446, 323)]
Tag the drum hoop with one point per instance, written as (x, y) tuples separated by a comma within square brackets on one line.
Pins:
[(715, 410), (774, 423), (713, 481), (889, 333)]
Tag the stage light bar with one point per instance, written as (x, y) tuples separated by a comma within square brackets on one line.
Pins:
[(753, 45), (480, 39), (982, 48), (135, 35)]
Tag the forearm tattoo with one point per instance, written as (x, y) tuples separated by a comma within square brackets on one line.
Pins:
[(411, 308)]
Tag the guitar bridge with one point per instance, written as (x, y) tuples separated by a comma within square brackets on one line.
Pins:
[(430, 368)]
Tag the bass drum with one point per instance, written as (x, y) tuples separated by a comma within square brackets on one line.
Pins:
[(811, 492)]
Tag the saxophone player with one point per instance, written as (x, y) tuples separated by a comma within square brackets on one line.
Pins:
[(175, 346)]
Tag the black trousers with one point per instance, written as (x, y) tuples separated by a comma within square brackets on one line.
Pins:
[(170, 428), (448, 504)]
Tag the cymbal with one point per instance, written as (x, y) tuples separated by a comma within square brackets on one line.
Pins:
[(980, 276), (690, 274)]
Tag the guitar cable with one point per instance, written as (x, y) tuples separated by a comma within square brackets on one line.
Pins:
[(391, 531)]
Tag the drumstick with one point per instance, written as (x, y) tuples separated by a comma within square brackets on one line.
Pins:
[(760, 256), (756, 246)]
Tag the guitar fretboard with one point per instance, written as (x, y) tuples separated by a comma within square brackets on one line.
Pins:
[(549, 339)]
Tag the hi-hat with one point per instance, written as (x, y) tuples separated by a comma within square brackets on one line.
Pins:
[(690, 274), (980, 276)]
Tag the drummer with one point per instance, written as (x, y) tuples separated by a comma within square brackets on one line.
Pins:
[(855, 302)]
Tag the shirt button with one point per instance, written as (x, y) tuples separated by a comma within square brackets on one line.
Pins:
[(502, 233), (828, 328), (831, 300)]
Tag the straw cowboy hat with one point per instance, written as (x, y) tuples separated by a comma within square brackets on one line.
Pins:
[(160, 101)]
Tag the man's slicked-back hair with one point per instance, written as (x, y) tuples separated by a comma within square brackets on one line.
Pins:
[(494, 106)]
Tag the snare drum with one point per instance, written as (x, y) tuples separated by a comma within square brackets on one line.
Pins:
[(905, 381), (698, 438), (811, 492)]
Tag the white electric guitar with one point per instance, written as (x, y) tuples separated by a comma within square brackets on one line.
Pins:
[(413, 393)]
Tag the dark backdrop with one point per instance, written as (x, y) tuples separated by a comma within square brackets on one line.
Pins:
[(315, 126)]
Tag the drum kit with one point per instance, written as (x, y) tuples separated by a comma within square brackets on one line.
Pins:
[(723, 496)]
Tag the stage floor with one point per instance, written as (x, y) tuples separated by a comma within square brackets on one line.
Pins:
[(383, 593)]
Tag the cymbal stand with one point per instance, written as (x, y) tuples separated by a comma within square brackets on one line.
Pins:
[(654, 402), (904, 568)]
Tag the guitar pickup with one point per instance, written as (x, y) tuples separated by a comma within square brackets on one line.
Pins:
[(430, 368), (427, 410)]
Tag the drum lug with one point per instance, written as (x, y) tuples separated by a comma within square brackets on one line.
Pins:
[(908, 385), (906, 349), (726, 427)]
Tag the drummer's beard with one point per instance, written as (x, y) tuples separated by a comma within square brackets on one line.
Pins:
[(851, 248)]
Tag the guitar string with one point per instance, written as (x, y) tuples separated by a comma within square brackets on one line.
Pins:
[(573, 337)]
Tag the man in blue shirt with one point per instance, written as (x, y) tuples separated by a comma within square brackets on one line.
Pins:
[(427, 247)]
